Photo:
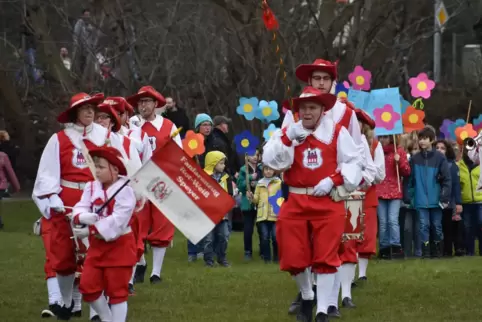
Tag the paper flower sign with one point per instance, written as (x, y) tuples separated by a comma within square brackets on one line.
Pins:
[(421, 86), (269, 131), (444, 129), (360, 78), (246, 143), (386, 117), (413, 119), (193, 144), (248, 107), (466, 131), (341, 90), (276, 201), (454, 126), (267, 111), (478, 123)]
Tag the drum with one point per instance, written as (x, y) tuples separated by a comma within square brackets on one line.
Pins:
[(354, 216)]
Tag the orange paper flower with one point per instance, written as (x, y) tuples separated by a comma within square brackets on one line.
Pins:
[(412, 119), (193, 143), (463, 132)]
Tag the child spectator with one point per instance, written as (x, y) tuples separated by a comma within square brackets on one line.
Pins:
[(7, 175), (215, 164), (452, 225), (390, 198), (431, 183), (410, 220), (268, 190), (248, 210), (471, 202)]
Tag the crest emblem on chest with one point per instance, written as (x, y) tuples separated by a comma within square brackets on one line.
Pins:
[(312, 158), (152, 142), (78, 159)]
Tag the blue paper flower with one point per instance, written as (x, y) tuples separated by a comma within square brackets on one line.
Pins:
[(248, 107), (267, 111), (341, 90), (444, 129), (246, 143), (276, 201), (453, 127), (269, 131), (404, 104), (477, 123)]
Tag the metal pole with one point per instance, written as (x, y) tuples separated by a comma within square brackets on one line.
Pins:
[(454, 58), (437, 45)]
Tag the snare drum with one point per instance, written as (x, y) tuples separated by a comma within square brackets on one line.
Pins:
[(354, 217)]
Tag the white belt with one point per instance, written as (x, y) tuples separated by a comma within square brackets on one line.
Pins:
[(73, 185), (301, 191)]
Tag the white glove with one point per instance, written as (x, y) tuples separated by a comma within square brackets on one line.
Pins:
[(37, 227), (88, 218), (297, 132), (56, 203), (323, 187), (81, 232)]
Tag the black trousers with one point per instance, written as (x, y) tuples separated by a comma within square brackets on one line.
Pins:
[(453, 233)]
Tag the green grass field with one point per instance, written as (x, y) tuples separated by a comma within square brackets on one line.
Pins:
[(411, 290)]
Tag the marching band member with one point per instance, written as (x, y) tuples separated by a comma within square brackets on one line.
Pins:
[(61, 177), (349, 258), (112, 252), (159, 131), (320, 156)]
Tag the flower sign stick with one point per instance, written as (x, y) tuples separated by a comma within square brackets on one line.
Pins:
[(468, 112)]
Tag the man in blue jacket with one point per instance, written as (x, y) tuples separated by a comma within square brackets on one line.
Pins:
[(431, 183)]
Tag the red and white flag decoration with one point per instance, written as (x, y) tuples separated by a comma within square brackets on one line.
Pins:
[(191, 200)]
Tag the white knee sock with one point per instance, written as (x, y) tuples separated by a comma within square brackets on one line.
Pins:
[(362, 267), (119, 312), (335, 292), (303, 280), (142, 261), (131, 281), (66, 286), (77, 297), (54, 291), (157, 259), (347, 274), (324, 286), (100, 305), (92, 312)]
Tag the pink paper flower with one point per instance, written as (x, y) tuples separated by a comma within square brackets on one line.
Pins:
[(360, 78), (386, 117), (421, 86)]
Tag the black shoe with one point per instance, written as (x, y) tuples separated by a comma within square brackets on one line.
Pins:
[(224, 263), (306, 311), (132, 291), (96, 318), (425, 250), (295, 305), (248, 257), (140, 273), (459, 252), (322, 317), (333, 312), (77, 314), (397, 252), (385, 253), (51, 311), (438, 248), (64, 313), (155, 279), (347, 303), (354, 285)]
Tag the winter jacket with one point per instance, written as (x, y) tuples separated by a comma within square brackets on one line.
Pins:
[(224, 179), (218, 141), (388, 188), (469, 176), (456, 195), (241, 183), (265, 189), (430, 179)]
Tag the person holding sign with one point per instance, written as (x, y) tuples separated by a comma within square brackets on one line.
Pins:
[(320, 157), (159, 131)]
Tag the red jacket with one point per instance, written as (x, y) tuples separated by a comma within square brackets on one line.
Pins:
[(6, 173), (388, 188)]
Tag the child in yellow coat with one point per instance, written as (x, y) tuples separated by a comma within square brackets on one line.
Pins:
[(268, 198)]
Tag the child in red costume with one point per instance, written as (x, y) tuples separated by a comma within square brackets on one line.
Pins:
[(112, 251)]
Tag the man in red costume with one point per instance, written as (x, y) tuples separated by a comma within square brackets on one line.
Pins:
[(319, 156), (159, 131)]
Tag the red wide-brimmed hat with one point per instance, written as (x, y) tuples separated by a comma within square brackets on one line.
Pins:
[(304, 71), (311, 94), (77, 101), (112, 155), (147, 91), (363, 117), (108, 109)]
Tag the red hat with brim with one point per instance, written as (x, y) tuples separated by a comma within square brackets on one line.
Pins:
[(109, 110), (112, 155), (147, 91), (77, 101), (363, 117), (116, 102), (305, 71), (311, 94)]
